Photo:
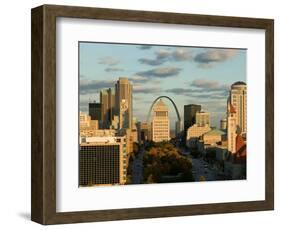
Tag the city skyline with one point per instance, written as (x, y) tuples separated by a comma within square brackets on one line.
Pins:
[(189, 75)]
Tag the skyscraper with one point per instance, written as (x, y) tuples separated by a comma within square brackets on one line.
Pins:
[(238, 99), (202, 118), (102, 160), (190, 115), (107, 100), (160, 122), (123, 103), (95, 111), (104, 108), (231, 127)]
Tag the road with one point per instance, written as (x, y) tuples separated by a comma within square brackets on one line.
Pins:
[(201, 168), (138, 167)]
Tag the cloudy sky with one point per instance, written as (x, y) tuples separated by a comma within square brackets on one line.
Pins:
[(188, 75)]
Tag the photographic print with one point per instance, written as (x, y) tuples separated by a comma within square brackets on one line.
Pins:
[(161, 114)]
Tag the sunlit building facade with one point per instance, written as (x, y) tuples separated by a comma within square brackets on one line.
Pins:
[(160, 122), (238, 99), (123, 103)]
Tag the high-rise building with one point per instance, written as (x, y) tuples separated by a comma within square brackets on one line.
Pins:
[(111, 103), (231, 127), (102, 161), (238, 99), (104, 108), (95, 111), (160, 122), (124, 103), (202, 118), (190, 115), (107, 100), (223, 124)]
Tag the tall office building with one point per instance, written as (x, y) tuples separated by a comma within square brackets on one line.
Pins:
[(124, 103), (231, 127), (238, 99), (190, 115), (104, 108), (111, 103), (160, 122), (95, 111), (102, 161), (107, 100), (202, 118)]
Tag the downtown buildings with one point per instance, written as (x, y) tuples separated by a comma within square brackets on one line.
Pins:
[(226, 145), (106, 137), (108, 133)]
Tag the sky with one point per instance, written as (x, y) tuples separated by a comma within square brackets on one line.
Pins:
[(188, 75)]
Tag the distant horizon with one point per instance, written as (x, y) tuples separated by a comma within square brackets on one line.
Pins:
[(188, 75)]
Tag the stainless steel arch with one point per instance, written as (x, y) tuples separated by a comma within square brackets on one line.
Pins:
[(149, 113)]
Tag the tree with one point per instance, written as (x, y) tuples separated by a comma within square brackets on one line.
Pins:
[(163, 159)]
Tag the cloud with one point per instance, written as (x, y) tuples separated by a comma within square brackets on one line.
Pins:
[(183, 91), (110, 61), (203, 89), (113, 69), (162, 72), (144, 47), (182, 54), (151, 61), (146, 90), (209, 85), (136, 79), (91, 86), (211, 56), (164, 55)]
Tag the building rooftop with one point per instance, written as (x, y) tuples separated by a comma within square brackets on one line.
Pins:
[(160, 105), (239, 83)]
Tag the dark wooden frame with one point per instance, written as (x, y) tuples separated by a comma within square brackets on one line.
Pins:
[(43, 160)]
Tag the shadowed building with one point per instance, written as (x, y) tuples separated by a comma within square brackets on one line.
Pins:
[(95, 111), (190, 115), (107, 99), (102, 161)]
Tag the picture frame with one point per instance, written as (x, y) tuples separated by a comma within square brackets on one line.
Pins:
[(43, 159)]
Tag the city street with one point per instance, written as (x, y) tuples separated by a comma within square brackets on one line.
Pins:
[(201, 168), (138, 167)]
